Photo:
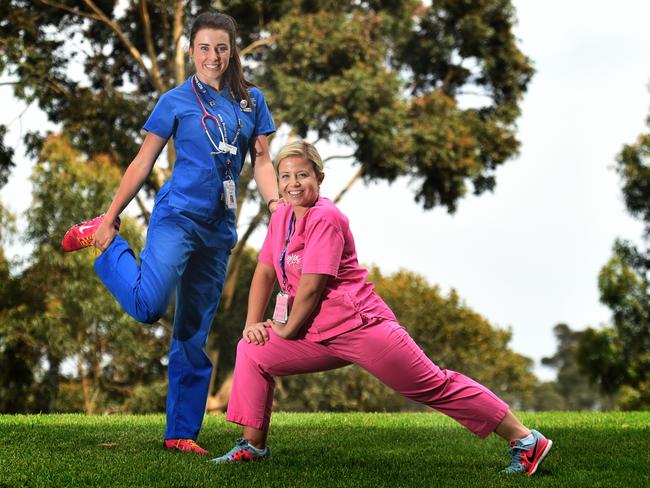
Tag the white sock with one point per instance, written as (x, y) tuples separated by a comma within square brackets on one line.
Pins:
[(256, 450), (529, 439)]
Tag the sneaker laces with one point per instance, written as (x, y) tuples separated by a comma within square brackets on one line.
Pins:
[(516, 452), (191, 442), (240, 445)]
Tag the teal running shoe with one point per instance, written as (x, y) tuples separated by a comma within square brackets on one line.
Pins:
[(526, 458), (241, 453)]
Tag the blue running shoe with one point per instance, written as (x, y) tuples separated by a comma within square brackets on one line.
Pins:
[(526, 458), (242, 452)]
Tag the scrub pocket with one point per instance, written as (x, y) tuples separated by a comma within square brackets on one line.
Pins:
[(335, 314), (195, 190)]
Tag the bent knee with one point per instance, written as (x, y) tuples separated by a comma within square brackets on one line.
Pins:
[(147, 316), (251, 353)]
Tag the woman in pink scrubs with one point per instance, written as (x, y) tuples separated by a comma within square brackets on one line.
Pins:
[(328, 316)]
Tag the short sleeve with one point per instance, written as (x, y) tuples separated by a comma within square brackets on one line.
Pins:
[(324, 244), (266, 253), (162, 120), (264, 124)]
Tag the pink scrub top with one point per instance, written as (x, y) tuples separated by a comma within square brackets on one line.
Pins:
[(321, 243)]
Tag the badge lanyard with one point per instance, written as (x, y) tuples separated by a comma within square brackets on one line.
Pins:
[(282, 300), (284, 253), (224, 147)]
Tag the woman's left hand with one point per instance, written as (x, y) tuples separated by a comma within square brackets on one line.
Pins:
[(256, 333)]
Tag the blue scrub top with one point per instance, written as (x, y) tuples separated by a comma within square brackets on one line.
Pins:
[(196, 184)]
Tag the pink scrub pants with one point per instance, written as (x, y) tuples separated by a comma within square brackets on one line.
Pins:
[(385, 350)]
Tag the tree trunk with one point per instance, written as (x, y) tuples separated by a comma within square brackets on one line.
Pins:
[(53, 375)]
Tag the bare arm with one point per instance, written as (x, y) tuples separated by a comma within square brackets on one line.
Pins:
[(134, 177), (308, 296), (263, 171), (258, 298), (260, 292)]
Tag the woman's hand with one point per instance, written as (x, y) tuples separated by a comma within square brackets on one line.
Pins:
[(256, 333), (275, 204), (104, 235)]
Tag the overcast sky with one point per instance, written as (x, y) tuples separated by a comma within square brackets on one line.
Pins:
[(528, 255)]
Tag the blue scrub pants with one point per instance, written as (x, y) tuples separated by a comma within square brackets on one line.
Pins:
[(191, 257)]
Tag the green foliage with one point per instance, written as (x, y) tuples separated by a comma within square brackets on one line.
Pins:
[(546, 397), (572, 390), (390, 82), (320, 449), (634, 169), (618, 358), (148, 398)]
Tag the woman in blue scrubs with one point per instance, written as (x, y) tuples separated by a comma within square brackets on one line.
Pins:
[(215, 117)]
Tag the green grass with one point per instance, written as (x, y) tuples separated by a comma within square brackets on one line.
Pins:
[(352, 450)]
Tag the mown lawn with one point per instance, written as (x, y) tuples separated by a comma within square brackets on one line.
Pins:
[(311, 450)]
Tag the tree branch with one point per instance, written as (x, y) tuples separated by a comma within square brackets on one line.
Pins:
[(254, 45), (338, 156), (244, 192), (70, 9), (235, 258), (166, 36), (151, 51), (20, 116), (356, 176), (137, 56), (179, 59), (143, 209)]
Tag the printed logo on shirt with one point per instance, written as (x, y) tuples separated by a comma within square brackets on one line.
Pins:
[(294, 260)]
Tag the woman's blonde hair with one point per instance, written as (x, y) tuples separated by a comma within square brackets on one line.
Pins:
[(301, 149)]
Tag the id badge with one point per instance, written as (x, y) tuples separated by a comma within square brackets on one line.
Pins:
[(281, 311), (230, 194), (229, 148)]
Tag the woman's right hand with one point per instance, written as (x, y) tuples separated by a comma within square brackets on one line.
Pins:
[(256, 333), (104, 235)]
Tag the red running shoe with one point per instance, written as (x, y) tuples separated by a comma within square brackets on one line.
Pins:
[(184, 445), (81, 235)]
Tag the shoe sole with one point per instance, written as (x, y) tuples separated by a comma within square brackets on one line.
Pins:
[(541, 457)]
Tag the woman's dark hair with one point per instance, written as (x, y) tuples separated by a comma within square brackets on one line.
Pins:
[(234, 75)]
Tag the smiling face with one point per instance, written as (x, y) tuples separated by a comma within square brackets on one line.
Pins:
[(210, 50), (299, 183)]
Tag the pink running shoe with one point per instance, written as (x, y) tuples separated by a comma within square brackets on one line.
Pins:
[(184, 445), (526, 458), (81, 235)]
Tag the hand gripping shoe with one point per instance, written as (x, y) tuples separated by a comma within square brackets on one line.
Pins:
[(81, 235)]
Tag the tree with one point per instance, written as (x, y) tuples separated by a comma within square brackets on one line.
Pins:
[(572, 387), (618, 357), (427, 91), (18, 362)]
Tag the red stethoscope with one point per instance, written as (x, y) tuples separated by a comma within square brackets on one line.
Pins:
[(207, 115)]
